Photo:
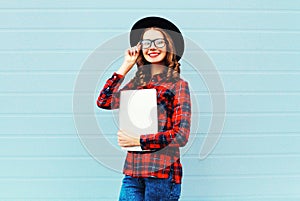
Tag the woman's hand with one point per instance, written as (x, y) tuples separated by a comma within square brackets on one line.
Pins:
[(126, 140), (132, 54), (130, 58)]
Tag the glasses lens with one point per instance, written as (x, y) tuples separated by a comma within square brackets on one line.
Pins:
[(146, 43), (159, 43)]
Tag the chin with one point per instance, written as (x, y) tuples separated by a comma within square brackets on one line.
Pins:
[(154, 60)]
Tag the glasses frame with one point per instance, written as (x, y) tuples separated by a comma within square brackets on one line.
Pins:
[(153, 41)]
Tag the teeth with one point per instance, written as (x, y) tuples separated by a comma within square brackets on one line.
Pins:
[(153, 54)]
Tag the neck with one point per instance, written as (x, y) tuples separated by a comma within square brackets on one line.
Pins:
[(157, 69)]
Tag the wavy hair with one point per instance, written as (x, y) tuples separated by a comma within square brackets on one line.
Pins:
[(172, 72)]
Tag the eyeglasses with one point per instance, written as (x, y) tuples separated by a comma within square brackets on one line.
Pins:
[(159, 43)]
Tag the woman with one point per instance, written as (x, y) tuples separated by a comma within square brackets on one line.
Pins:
[(157, 173)]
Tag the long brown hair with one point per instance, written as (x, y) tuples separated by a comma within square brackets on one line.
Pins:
[(172, 71)]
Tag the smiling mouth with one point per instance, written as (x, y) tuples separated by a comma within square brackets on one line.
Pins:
[(153, 54)]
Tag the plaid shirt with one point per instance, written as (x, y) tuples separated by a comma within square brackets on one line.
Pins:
[(174, 116)]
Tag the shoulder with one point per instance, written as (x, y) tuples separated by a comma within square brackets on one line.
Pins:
[(180, 87), (181, 83)]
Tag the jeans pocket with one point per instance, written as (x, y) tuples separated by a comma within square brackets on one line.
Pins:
[(175, 191)]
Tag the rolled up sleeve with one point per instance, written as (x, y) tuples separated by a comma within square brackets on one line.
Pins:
[(178, 135)]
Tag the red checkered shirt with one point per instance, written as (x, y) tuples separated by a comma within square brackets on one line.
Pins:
[(174, 117)]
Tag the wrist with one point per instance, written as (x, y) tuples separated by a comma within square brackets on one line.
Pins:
[(121, 72)]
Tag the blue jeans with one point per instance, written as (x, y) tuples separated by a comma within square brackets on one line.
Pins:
[(149, 189)]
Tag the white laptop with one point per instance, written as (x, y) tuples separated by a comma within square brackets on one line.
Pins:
[(138, 113)]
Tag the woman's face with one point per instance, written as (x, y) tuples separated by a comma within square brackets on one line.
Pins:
[(154, 54)]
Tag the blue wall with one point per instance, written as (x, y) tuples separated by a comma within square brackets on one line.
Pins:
[(254, 45)]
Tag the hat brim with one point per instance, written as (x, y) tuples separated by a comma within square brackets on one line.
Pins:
[(138, 28)]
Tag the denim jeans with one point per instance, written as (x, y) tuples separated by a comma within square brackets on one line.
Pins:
[(149, 189)]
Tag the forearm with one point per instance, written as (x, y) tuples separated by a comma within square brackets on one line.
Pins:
[(173, 138), (178, 134), (109, 96), (125, 68)]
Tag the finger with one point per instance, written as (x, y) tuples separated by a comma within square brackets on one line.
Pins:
[(132, 51), (120, 144), (136, 49), (124, 135), (119, 133), (129, 52), (123, 144), (120, 137)]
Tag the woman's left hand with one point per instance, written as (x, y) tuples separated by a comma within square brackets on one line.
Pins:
[(127, 140)]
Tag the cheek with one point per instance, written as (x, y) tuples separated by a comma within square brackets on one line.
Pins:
[(164, 51), (144, 52), (164, 54)]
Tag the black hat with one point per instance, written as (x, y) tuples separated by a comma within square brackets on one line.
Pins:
[(162, 23)]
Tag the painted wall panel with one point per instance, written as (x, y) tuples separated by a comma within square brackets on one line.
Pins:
[(254, 46)]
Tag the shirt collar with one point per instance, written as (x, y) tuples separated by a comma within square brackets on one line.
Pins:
[(158, 77)]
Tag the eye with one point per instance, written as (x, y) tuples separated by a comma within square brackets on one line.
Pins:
[(160, 42)]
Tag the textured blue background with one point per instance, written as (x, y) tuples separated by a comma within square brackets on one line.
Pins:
[(254, 44)]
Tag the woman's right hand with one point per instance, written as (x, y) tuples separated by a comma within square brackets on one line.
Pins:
[(130, 57)]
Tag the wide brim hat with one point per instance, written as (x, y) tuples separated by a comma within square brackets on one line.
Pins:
[(147, 22)]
